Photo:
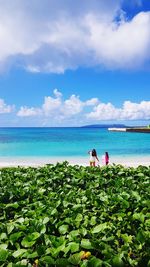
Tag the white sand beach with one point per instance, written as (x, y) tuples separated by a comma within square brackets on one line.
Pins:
[(84, 161)]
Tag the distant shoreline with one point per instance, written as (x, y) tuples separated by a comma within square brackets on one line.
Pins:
[(133, 161)]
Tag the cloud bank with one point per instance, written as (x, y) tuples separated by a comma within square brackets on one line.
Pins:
[(56, 110), (129, 111), (53, 36)]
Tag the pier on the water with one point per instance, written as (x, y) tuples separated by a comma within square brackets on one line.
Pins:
[(134, 130)]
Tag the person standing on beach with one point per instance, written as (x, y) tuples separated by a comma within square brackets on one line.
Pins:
[(105, 159), (93, 157)]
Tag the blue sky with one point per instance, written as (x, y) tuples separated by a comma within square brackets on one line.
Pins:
[(67, 64)]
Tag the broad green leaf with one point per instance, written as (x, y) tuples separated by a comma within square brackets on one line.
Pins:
[(43, 230), (3, 246), (147, 222), (141, 174), (74, 233), (77, 206), (29, 255), (75, 259), (125, 204), (65, 203), (93, 220), (121, 173), (117, 261), (141, 236), (3, 254), (83, 231), (56, 251), (136, 195), (85, 243), (95, 262), (63, 229), (23, 262), (79, 217), (12, 205), (10, 228), (127, 238), (18, 253), (14, 237), (3, 236), (99, 228), (20, 220), (41, 191), (46, 220), (30, 240), (73, 246), (84, 263), (139, 216), (54, 211)]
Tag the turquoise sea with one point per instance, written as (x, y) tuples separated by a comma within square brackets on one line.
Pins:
[(72, 142)]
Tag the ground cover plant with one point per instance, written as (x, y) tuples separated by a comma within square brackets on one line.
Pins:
[(61, 215)]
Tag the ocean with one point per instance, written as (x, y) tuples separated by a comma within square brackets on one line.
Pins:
[(71, 142)]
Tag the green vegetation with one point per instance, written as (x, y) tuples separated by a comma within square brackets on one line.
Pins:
[(61, 215)]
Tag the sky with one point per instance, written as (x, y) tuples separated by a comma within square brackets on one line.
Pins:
[(73, 63)]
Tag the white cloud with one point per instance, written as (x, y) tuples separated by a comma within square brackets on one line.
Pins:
[(135, 111), (28, 112), (4, 108), (58, 35), (72, 106), (120, 46), (73, 110), (57, 108), (51, 105), (129, 111), (92, 102), (104, 112)]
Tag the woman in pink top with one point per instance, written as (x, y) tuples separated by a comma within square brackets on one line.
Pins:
[(106, 158)]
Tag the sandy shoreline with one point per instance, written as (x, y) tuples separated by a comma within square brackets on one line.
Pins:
[(84, 161)]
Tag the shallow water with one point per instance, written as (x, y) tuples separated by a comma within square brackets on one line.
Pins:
[(72, 142)]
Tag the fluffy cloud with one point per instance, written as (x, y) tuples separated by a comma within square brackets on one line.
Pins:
[(4, 108), (104, 112), (28, 112), (120, 46), (57, 109), (60, 35), (92, 102), (134, 111), (129, 111), (52, 104), (72, 106)]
